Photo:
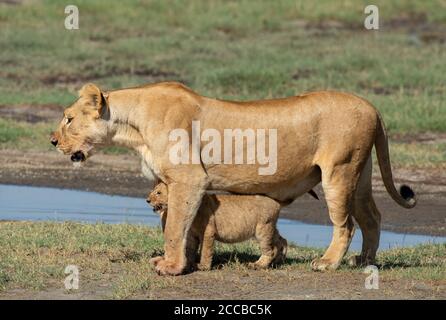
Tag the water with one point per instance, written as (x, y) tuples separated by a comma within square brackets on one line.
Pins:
[(49, 204)]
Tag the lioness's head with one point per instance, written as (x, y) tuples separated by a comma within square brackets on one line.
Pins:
[(82, 126), (158, 198)]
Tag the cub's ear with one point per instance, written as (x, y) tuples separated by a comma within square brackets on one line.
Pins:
[(92, 95)]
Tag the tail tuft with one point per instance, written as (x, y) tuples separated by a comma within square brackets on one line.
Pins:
[(407, 193)]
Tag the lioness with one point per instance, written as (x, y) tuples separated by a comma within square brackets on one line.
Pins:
[(229, 219), (320, 136)]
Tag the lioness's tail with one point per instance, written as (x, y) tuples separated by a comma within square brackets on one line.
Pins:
[(406, 197)]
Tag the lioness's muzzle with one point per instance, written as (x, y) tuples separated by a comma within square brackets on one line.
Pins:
[(78, 156), (53, 139)]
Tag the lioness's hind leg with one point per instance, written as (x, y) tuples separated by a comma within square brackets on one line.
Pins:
[(339, 185), (368, 217)]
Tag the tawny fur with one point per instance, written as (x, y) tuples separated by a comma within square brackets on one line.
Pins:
[(322, 137), (229, 219)]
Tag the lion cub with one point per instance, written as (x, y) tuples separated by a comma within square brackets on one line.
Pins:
[(229, 219)]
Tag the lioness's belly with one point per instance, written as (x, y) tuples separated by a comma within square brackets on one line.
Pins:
[(282, 143), (283, 188)]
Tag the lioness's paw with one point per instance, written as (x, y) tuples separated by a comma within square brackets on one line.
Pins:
[(323, 265), (168, 268), (359, 261), (155, 260), (280, 258)]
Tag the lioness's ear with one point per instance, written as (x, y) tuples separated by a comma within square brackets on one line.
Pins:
[(92, 95)]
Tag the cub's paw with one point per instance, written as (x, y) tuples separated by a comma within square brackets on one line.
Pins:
[(204, 266), (258, 265)]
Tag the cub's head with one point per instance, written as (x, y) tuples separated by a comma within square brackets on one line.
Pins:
[(82, 125), (158, 198)]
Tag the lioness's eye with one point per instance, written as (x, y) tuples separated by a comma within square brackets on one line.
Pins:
[(68, 121)]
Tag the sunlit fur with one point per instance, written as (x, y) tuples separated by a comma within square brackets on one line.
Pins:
[(322, 136), (89, 127), (229, 219), (85, 129)]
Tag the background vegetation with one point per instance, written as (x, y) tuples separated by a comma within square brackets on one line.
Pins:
[(229, 49)]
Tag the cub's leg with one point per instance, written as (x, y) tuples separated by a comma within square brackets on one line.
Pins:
[(368, 217), (265, 233), (193, 244), (281, 246), (207, 248), (339, 184)]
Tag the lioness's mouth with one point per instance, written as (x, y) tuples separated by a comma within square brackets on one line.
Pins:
[(78, 156), (158, 207)]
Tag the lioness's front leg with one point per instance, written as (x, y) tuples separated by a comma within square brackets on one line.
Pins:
[(183, 201)]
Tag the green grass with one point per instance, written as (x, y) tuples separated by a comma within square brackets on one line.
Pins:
[(419, 155), (421, 262), (227, 49), (24, 136), (33, 256), (11, 132)]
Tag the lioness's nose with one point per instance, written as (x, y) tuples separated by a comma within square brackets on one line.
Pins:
[(53, 139)]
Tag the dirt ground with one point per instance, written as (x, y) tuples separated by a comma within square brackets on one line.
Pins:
[(120, 175), (281, 285)]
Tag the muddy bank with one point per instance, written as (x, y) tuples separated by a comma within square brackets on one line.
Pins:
[(121, 175)]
